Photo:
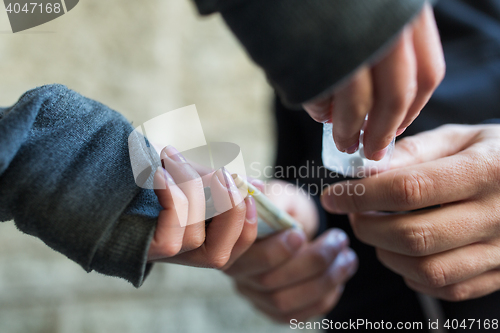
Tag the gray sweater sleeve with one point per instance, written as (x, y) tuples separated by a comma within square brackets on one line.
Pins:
[(307, 46), (66, 178)]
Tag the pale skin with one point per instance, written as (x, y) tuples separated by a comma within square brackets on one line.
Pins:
[(284, 275), (271, 272), (452, 250), (181, 236), (392, 91), (288, 275)]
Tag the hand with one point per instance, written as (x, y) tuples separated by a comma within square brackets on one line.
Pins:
[(286, 277), (451, 250), (292, 200), (181, 236), (393, 91)]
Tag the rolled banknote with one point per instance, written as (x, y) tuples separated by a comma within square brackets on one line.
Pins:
[(271, 218)]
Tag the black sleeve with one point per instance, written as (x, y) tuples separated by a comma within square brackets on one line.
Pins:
[(492, 121), (66, 178), (307, 46)]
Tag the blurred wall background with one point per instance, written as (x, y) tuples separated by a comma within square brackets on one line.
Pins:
[(141, 59)]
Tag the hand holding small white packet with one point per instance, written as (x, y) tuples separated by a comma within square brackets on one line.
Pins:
[(352, 165)]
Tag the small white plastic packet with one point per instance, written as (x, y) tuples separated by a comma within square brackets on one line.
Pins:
[(351, 165)]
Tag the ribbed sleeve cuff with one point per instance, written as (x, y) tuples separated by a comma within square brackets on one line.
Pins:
[(123, 251)]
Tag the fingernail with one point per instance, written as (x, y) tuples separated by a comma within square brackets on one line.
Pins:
[(227, 181), (167, 175), (174, 154), (251, 213), (401, 131), (165, 178), (377, 156), (352, 149), (337, 238), (352, 262), (294, 239), (159, 179), (345, 265), (346, 257), (258, 183)]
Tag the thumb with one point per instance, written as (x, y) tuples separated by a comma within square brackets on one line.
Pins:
[(431, 145)]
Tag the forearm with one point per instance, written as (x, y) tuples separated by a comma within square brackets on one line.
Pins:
[(65, 177), (306, 47)]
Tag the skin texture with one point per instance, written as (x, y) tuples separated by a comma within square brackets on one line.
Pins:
[(452, 249), (288, 276), (392, 91), (181, 236)]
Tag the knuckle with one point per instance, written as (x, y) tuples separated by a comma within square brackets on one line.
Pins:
[(381, 142), (196, 241), (409, 189), (267, 259), (361, 106), (432, 274), (170, 250), (400, 101), (457, 293), (265, 282), (417, 240), (319, 260), (433, 77), (412, 146), (218, 261), (279, 303), (239, 211)]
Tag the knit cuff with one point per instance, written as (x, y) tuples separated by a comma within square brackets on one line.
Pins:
[(123, 251)]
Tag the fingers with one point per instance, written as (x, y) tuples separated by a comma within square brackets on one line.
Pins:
[(226, 228), (221, 235), (476, 287), (259, 184), (448, 179), (392, 92), (427, 146), (440, 270), (306, 264), (395, 87), (430, 62), (248, 234), (223, 193), (268, 253), (188, 180), (320, 308), (426, 232), (320, 109), (303, 295), (352, 103), (295, 202), (169, 233)]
